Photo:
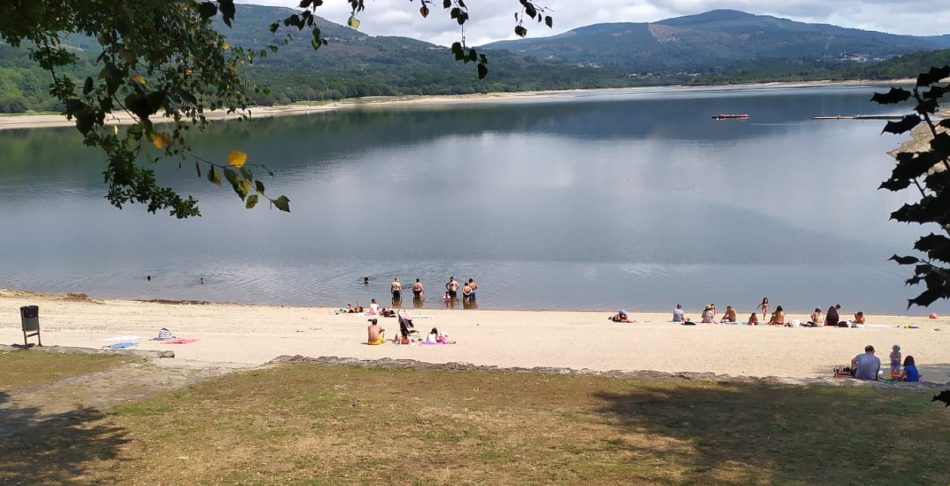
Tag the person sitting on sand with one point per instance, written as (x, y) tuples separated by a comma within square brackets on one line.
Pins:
[(910, 372), (433, 337), (709, 315), (620, 316), (373, 307), (729, 315), (831, 317), (754, 319), (778, 317), (866, 366), (374, 333), (678, 314), (859, 317), (817, 318)]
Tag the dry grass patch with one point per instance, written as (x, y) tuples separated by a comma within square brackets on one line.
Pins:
[(32, 368), (319, 424)]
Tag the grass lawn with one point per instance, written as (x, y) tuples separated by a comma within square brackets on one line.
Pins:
[(303, 423), (31, 368)]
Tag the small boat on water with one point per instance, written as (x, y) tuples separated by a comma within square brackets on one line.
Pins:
[(731, 116)]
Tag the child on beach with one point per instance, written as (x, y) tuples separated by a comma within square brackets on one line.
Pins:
[(753, 319), (895, 357), (910, 370)]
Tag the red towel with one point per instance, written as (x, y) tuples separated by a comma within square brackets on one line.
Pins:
[(180, 341)]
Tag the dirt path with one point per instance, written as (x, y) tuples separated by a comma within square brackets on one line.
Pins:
[(26, 406)]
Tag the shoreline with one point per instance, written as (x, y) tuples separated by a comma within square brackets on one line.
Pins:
[(31, 121), (691, 312), (244, 335)]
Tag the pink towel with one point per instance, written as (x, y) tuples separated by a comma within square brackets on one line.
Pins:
[(180, 341)]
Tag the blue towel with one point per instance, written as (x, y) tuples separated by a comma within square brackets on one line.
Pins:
[(124, 345)]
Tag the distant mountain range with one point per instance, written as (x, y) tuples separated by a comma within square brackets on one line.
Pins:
[(715, 38), (721, 46)]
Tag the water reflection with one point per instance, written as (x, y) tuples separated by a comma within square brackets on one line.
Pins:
[(623, 198)]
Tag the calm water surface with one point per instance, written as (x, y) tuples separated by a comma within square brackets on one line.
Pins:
[(633, 198)]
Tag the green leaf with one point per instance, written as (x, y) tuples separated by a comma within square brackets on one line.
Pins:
[(549, 21), (905, 125), (113, 77), (895, 95), (482, 70), (907, 260), (520, 31), (246, 172), (282, 203), (933, 76), (207, 9), (251, 201), (214, 177), (353, 22), (259, 186), (227, 11), (87, 86)]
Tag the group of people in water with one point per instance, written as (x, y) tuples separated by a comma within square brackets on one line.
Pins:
[(776, 317), (468, 290)]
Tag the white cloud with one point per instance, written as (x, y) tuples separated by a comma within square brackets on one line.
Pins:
[(492, 20)]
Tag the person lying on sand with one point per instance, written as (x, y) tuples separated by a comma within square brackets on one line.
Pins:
[(374, 333), (620, 316)]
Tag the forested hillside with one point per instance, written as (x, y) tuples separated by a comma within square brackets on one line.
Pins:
[(354, 64)]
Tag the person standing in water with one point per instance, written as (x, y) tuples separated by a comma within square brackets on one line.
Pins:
[(452, 287), (396, 289), (474, 287), (418, 293)]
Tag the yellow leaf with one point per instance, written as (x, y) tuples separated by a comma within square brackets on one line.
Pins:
[(138, 78), (115, 128), (160, 140), (225, 46), (236, 158)]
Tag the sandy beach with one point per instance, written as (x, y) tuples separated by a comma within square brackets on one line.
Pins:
[(250, 335), (20, 121)]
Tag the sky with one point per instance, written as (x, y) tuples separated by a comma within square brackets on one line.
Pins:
[(492, 20)]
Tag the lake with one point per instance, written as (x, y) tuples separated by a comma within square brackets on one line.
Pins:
[(591, 200)]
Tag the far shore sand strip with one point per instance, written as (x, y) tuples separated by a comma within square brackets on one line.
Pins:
[(252, 335), (21, 121)]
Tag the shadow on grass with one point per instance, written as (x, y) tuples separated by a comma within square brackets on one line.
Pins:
[(748, 434), (53, 449)]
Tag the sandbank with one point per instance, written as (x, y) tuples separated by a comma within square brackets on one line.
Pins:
[(250, 335), (21, 121)]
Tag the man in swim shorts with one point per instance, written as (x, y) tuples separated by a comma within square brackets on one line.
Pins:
[(452, 287), (473, 286), (417, 289), (396, 289), (374, 333)]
